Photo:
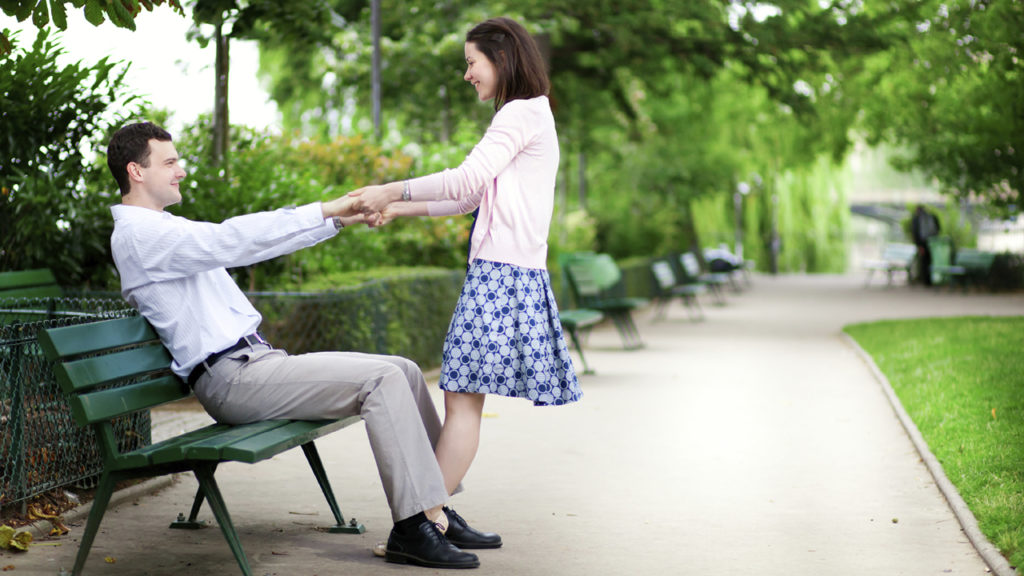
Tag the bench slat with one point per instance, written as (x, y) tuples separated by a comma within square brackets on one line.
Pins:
[(295, 433), (580, 317), (101, 405), (95, 337), (173, 449), (87, 373), (207, 443)]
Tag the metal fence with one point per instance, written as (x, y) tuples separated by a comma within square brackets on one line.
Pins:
[(41, 446)]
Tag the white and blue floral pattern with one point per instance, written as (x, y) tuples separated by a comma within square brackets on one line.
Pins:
[(505, 338)]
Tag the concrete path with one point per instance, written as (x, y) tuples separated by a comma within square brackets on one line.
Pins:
[(756, 442)]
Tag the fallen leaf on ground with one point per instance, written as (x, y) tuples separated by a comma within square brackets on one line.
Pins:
[(13, 539), (110, 560)]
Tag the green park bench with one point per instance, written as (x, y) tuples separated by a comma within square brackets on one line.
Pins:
[(969, 266), (593, 279), (111, 369), (575, 321), (715, 281), (669, 287), (38, 283), (27, 295), (896, 257)]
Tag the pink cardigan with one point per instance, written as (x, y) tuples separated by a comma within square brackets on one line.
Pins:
[(511, 175)]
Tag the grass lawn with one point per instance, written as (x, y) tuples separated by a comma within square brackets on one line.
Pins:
[(961, 380)]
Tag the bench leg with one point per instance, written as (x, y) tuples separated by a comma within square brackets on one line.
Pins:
[(693, 307), (208, 486), (716, 289), (192, 523), (659, 309), (99, 505), (313, 456), (627, 330), (575, 337)]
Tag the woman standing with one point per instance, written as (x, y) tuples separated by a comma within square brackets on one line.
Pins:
[(505, 337)]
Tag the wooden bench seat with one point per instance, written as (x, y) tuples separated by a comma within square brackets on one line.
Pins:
[(113, 368)]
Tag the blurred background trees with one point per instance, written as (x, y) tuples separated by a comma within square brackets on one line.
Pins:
[(682, 124)]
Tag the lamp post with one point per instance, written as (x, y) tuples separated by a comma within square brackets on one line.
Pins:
[(375, 67), (742, 189)]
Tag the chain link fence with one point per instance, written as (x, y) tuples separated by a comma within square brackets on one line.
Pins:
[(41, 446)]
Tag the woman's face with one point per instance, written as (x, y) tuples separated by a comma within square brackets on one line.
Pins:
[(480, 73)]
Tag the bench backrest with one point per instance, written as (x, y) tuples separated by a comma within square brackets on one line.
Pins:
[(899, 253), (663, 274), (590, 275), (38, 283), (691, 266), (975, 259), (111, 368)]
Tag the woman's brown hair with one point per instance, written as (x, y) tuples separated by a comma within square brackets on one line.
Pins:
[(516, 58)]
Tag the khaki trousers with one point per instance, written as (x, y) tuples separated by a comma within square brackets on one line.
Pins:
[(388, 392)]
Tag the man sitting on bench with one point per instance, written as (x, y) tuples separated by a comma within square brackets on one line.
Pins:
[(173, 270)]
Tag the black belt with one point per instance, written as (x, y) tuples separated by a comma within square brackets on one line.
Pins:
[(246, 341)]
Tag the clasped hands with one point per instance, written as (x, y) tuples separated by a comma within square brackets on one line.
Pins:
[(369, 205)]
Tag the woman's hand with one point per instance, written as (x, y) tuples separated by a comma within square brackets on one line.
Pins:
[(375, 198)]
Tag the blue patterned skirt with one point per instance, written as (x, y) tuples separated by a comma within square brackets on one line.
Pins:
[(505, 337)]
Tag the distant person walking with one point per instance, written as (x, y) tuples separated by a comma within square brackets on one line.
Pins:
[(924, 225)]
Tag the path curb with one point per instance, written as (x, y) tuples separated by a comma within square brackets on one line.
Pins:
[(997, 563)]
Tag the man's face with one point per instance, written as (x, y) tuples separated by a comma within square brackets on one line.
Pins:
[(161, 178)]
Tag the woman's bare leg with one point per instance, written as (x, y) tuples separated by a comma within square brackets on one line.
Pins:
[(460, 436)]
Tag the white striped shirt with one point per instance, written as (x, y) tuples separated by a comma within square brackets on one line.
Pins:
[(173, 270)]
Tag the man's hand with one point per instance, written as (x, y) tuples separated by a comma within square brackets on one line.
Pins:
[(343, 206)]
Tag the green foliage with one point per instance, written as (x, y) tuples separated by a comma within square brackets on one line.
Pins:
[(269, 171), (950, 92), (961, 380), (121, 13), (52, 214)]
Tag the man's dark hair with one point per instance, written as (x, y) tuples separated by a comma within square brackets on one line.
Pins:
[(516, 58), (131, 144)]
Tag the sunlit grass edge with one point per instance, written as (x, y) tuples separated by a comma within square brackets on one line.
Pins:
[(961, 380)]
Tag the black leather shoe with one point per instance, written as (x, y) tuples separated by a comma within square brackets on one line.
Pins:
[(426, 546), (465, 536)]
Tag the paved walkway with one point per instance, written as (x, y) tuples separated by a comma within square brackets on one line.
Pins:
[(756, 442)]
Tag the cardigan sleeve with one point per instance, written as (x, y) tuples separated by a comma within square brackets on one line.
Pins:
[(509, 133)]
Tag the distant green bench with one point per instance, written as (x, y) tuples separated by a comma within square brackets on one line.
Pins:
[(38, 283), (113, 368), (593, 279), (575, 321), (969, 266), (27, 295), (670, 287), (896, 257), (715, 281)]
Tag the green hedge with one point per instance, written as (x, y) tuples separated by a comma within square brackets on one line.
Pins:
[(405, 315)]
